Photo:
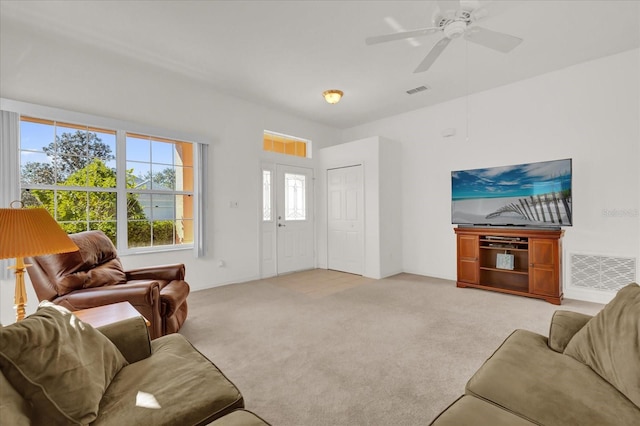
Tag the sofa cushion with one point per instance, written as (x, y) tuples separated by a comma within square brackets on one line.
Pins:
[(469, 410), (240, 418), (610, 343), (526, 377), (94, 265), (61, 365), (176, 385), (14, 409)]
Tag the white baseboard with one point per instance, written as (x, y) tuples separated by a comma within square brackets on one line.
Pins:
[(588, 295)]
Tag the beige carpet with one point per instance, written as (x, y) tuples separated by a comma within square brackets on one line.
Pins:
[(325, 348)]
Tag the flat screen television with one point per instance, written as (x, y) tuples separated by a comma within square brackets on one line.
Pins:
[(532, 194)]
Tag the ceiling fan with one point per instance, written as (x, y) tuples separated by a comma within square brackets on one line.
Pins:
[(454, 18)]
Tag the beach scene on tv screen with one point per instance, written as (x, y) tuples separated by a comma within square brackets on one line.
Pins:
[(523, 194)]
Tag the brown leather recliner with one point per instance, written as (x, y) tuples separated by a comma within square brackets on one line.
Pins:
[(94, 276)]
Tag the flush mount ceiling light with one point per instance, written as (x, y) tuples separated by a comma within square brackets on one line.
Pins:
[(332, 96)]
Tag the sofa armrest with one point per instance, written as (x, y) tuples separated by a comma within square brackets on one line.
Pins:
[(564, 324), (131, 337), (160, 272)]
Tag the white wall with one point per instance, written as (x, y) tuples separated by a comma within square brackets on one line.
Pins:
[(67, 74), (589, 112), (380, 158), (390, 184)]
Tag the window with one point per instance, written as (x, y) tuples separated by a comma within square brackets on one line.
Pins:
[(72, 171), (295, 207), (289, 145), (160, 185)]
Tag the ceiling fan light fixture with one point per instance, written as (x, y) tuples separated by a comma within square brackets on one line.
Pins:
[(332, 96), (455, 29)]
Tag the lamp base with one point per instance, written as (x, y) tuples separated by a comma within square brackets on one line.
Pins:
[(20, 298)]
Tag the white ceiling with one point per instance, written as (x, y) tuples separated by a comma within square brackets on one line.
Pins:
[(285, 53)]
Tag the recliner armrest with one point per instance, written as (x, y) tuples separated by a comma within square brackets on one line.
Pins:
[(131, 337), (160, 272), (564, 325), (144, 296), (138, 294)]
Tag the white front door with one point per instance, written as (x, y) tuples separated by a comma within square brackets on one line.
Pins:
[(294, 219), (345, 219)]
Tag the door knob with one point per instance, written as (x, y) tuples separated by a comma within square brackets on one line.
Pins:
[(279, 225)]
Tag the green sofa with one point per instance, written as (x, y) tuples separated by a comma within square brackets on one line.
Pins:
[(57, 370), (587, 372)]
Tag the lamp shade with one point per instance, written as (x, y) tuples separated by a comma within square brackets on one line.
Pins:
[(31, 232)]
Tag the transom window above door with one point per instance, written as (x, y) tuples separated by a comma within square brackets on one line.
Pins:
[(288, 145)]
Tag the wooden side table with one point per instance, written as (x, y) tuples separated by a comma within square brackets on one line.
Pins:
[(108, 314)]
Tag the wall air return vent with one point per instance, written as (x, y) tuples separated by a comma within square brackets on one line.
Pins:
[(417, 90), (605, 273)]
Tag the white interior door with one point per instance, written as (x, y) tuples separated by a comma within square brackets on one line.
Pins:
[(294, 219), (345, 219)]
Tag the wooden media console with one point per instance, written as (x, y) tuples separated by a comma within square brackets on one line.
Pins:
[(525, 262)]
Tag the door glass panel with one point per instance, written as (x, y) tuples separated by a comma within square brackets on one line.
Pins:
[(295, 207), (266, 195)]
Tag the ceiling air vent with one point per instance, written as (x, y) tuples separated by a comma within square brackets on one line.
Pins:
[(417, 89)]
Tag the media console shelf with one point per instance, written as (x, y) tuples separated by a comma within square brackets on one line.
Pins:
[(526, 262)]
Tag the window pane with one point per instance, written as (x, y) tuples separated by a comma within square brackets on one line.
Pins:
[(183, 178), (100, 175), (183, 154), (36, 168), (162, 152), (66, 137), (73, 227), (184, 232), (138, 175), (162, 207), (163, 232), (266, 195), (138, 206), (35, 136), (71, 206), (138, 233), (294, 197), (73, 171), (108, 144), (184, 207), (282, 144), (102, 206), (138, 149), (39, 198), (164, 177)]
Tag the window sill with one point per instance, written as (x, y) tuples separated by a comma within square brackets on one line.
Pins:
[(152, 250)]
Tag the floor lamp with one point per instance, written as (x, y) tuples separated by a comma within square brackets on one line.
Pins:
[(29, 232)]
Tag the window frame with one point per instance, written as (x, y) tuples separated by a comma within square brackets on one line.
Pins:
[(122, 128)]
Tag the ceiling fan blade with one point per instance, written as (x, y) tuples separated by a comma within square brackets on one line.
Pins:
[(493, 40), (401, 35), (433, 55)]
